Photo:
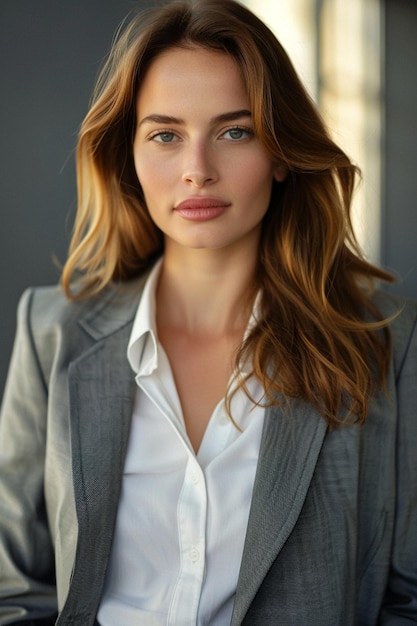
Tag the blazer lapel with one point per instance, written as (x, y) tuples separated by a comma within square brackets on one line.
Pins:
[(101, 393), (291, 443)]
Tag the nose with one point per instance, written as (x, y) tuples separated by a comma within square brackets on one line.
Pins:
[(199, 166)]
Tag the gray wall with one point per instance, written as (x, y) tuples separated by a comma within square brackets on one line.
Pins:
[(51, 51), (399, 234)]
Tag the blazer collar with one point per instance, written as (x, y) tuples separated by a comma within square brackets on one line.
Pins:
[(113, 309), (291, 442)]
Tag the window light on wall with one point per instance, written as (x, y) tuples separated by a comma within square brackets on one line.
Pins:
[(336, 47)]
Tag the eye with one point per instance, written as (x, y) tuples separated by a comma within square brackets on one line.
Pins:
[(164, 136), (237, 133)]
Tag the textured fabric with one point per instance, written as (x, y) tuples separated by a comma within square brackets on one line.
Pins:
[(175, 561), (332, 531)]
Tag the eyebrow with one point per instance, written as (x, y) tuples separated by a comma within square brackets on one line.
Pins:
[(168, 119)]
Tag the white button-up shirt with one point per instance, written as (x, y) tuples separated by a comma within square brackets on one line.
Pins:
[(182, 516)]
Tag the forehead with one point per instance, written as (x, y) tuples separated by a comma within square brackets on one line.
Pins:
[(192, 77)]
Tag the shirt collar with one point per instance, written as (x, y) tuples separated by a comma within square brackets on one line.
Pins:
[(142, 351)]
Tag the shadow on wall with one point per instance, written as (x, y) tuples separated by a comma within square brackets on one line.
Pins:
[(399, 235), (51, 53)]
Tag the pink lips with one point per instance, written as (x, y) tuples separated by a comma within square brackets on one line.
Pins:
[(201, 209)]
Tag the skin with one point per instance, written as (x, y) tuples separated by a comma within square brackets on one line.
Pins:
[(194, 140)]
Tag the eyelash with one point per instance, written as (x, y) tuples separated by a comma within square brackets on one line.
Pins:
[(249, 132), (244, 129), (158, 133)]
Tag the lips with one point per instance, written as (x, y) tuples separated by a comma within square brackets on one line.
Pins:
[(201, 209)]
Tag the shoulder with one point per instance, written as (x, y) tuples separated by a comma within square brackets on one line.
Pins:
[(46, 305), (44, 308), (46, 311), (54, 330), (49, 306)]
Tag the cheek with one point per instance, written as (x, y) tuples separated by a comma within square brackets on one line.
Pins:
[(156, 179), (145, 178), (143, 171), (152, 183), (255, 170), (257, 181), (145, 166)]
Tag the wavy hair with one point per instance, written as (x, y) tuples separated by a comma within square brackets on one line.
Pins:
[(319, 338)]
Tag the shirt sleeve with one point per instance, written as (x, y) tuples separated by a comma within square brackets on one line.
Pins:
[(400, 603), (27, 578)]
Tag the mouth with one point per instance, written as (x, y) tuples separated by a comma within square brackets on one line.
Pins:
[(201, 209)]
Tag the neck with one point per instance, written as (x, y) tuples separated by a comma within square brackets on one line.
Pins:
[(206, 292)]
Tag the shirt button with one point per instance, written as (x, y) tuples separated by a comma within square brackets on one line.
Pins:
[(195, 478), (194, 554)]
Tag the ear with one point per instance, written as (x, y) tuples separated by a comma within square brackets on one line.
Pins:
[(280, 172)]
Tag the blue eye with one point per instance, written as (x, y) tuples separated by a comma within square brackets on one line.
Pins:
[(164, 137), (237, 133)]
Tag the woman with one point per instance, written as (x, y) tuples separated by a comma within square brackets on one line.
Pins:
[(212, 422)]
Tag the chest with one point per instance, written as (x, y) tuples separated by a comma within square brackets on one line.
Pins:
[(202, 368)]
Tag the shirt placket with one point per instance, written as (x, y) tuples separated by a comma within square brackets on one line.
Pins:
[(191, 520)]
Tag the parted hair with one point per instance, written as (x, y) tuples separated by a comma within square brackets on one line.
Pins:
[(319, 336)]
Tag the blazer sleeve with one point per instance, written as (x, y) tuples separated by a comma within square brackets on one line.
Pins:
[(27, 579), (400, 604)]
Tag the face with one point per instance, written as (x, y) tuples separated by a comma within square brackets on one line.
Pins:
[(205, 175)]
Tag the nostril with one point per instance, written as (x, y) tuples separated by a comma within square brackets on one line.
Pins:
[(198, 179)]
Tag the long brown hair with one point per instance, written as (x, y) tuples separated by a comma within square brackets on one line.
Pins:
[(312, 341)]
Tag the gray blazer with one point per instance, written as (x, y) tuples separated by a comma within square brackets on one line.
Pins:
[(332, 534)]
